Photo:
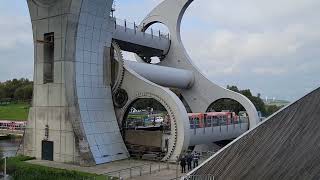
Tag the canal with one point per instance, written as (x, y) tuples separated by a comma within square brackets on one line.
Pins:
[(9, 146)]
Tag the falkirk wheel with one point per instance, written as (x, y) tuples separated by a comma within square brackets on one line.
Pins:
[(83, 87)]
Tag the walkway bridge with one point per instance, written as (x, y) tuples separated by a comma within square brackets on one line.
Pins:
[(131, 38), (217, 132)]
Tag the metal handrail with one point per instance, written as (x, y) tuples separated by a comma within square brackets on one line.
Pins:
[(140, 167), (129, 25), (198, 177)]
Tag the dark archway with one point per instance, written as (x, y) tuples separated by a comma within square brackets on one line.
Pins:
[(146, 129), (226, 105)]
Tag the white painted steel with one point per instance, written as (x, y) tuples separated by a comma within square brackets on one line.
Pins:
[(77, 108), (164, 76), (217, 133), (204, 92)]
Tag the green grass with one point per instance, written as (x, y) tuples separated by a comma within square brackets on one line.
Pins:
[(18, 111), (137, 116), (21, 170), (141, 116)]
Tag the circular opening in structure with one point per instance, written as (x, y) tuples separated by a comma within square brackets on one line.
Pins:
[(229, 110), (147, 129), (226, 105), (160, 31)]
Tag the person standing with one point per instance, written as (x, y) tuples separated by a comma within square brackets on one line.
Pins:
[(195, 160), (189, 161), (183, 164)]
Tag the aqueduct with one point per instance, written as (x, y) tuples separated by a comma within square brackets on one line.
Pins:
[(83, 86)]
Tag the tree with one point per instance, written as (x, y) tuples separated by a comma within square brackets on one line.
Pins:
[(144, 103), (228, 104), (19, 89), (233, 88), (2, 92), (272, 109), (24, 92)]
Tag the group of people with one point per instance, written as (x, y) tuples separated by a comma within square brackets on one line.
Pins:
[(187, 160)]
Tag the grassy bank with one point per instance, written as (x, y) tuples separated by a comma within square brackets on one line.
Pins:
[(21, 170), (10, 136), (14, 111)]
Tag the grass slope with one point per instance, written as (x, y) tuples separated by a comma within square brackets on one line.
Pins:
[(21, 170), (17, 111)]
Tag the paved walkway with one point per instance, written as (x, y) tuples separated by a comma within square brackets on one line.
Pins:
[(162, 175), (126, 169), (138, 167)]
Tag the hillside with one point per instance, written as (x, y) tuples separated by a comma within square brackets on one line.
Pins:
[(13, 111)]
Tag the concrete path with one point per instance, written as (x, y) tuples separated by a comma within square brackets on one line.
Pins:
[(162, 175), (126, 169), (138, 167)]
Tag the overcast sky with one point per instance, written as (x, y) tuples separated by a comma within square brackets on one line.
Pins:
[(269, 46)]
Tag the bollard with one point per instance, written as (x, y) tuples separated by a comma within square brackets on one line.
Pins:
[(130, 173), (177, 170), (168, 165), (150, 168), (159, 166), (140, 171), (5, 167)]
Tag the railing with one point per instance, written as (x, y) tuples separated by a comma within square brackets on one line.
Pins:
[(136, 28), (12, 128), (198, 177), (217, 123), (138, 170)]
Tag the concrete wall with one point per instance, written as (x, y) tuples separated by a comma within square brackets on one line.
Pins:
[(50, 107), (76, 106), (145, 138), (285, 146)]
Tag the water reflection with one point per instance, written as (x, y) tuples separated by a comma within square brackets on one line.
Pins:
[(9, 146)]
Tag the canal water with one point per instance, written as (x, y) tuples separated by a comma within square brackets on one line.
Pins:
[(9, 146)]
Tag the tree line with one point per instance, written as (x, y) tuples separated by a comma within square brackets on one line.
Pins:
[(228, 104), (16, 90)]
